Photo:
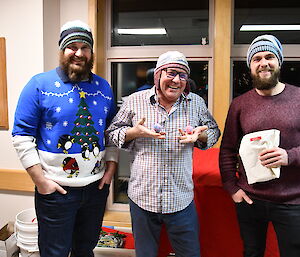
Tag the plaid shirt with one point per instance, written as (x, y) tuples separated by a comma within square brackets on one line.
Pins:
[(161, 169)]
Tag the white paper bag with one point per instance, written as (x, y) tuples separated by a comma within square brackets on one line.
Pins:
[(251, 145)]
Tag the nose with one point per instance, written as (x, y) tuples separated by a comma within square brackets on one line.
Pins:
[(263, 62), (176, 78), (79, 52)]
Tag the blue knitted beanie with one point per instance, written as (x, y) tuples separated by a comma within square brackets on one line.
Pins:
[(75, 31), (265, 43)]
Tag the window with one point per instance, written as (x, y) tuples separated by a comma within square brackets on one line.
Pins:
[(127, 77), (249, 12), (276, 12), (242, 80), (175, 23)]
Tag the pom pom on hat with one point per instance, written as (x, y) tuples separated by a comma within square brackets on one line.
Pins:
[(75, 31), (172, 57), (265, 43)]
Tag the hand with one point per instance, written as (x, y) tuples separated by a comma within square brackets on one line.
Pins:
[(111, 167), (49, 186), (240, 196), (139, 130), (274, 157), (197, 133)]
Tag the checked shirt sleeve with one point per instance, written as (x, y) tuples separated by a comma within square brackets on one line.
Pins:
[(213, 132), (121, 122)]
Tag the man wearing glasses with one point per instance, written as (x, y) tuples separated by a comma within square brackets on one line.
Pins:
[(160, 126)]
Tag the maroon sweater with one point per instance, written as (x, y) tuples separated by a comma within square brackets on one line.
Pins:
[(252, 112)]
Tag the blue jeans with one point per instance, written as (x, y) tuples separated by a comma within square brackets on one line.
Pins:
[(254, 219), (182, 228), (70, 222)]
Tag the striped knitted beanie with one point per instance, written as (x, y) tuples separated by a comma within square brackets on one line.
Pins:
[(170, 59), (265, 43), (75, 31)]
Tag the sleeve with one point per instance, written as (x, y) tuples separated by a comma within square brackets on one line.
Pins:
[(213, 132), (111, 151), (116, 132), (26, 149), (293, 156), (228, 159), (26, 122), (28, 111)]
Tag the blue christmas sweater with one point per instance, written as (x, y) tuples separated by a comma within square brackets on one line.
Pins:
[(61, 125)]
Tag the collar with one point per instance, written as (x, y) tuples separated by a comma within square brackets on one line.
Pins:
[(66, 79)]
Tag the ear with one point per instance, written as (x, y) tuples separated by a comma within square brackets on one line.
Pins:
[(187, 87)]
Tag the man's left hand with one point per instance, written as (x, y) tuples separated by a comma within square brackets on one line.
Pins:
[(108, 174), (273, 157), (197, 133)]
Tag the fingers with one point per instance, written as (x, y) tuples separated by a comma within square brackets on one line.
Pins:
[(273, 157), (60, 190), (202, 128), (240, 196), (181, 132), (161, 135), (247, 199), (141, 121), (101, 184)]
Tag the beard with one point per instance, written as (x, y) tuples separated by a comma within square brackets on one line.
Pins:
[(265, 83), (76, 73)]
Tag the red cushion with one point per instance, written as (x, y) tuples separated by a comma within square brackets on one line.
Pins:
[(206, 167)]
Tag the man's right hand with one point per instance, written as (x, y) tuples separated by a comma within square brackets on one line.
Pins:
[(139, 130), (44, 186), (240, 196), (49, 186)]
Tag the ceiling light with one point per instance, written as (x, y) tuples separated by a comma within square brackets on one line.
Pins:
[(158, 31), (269, 27)]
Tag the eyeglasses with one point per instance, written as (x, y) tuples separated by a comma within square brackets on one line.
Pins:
[(172, 74)]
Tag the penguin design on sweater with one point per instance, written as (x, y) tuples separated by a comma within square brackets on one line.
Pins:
[(99, 166), (65, 142), (85, 151), (95, 148), (70, 166)]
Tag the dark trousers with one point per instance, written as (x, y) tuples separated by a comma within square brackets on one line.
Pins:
[(254, 220), (70, 222), (182, 229)]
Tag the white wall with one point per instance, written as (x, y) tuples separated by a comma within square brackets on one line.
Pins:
[(31, 29)]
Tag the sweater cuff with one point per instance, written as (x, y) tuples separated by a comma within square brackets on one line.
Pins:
[(30, 159), (26, 149), (231, 188)]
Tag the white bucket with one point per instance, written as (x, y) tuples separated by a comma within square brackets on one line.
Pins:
[(27, 240), (27, 232), (25, 253), (27, 217), (30, 247)]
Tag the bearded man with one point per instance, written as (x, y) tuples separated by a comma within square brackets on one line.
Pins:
[(58, 134), (270, 105)]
